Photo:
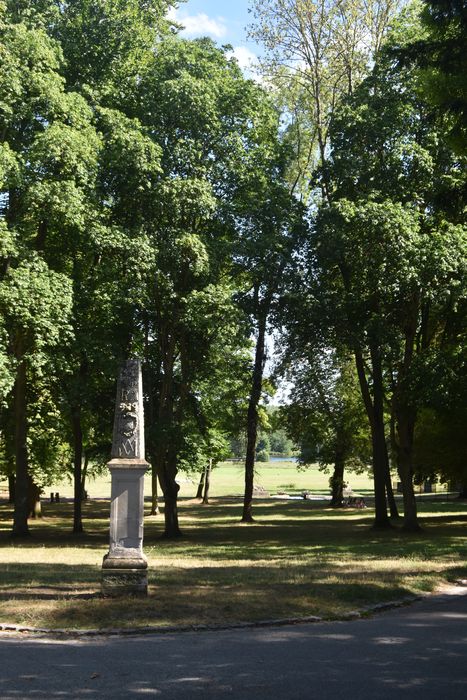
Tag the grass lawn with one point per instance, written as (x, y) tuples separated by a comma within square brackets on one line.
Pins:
[(300, 558), (228, 480)]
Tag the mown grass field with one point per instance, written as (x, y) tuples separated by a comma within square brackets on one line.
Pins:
[(228, 480), (299, 558)]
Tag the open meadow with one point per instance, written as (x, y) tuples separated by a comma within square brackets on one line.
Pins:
[(300, 558), (228, 480)]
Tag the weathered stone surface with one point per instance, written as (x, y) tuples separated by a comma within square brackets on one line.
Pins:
[(128, 433), (124, 567), (126, 511), (121, 582)]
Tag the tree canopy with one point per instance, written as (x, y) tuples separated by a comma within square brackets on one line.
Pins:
[(156, 202)]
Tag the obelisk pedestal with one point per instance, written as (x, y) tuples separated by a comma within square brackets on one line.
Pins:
[(124, 569)]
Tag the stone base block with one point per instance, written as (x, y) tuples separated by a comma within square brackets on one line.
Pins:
[(122, 582)]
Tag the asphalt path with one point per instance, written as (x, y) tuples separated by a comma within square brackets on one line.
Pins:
[(419, 651)]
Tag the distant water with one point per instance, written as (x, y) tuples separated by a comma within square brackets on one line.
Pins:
[(283, 459), (241, 460)]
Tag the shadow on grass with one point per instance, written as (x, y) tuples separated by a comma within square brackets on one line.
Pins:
[(282, 530), (215, 596), (59, 577), (242, 596), (298, 559)]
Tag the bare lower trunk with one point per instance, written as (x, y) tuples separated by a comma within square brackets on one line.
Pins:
[(405, 424), (337, 482), (154, 490), (11, 488), (84, 474), (20, 517), (393, 510), (410, 504), (252, 422), (247, 515), (166, 450), (379, 475), (200, 490), (380, 455), (170, 488), (172, 528), (77, 469), (34, 499), (207, 482), (375, 411), (389, 490), (151, 443), (405, 417)]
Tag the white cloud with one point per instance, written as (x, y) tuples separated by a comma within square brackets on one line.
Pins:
[(202, 25), (247, 60), (199, 25), (172, 14)]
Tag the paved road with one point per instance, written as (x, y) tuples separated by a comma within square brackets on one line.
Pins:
[(414, 652)]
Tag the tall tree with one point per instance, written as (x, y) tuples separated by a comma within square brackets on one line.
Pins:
[(387, 250), (316, 53), (105, 46), (271, 229), (206, 118), (51, 151), (440, 54)]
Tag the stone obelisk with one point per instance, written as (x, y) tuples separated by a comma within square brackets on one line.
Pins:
[(124, 569)]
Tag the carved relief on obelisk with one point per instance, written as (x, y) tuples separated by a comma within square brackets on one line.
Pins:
[(128, 434), (124, 567)]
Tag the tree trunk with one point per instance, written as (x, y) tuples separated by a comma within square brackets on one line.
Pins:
[(252, 420), (20, 517), (151, 444), (379, 475), (393, 510), (380, 455), (165, 458), (83, 477), (167, 477), (207, 482), (77, 469), (34, 499), (154, 490), (8, 424), (199, 492), (405, 417), (405, 428), (463, 491), (375, 413), (172, 528), (337, 482), (11, 488)]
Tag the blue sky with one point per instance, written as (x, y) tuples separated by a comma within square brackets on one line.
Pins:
[(224, 21)]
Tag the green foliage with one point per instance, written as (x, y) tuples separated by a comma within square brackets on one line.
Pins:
[(325, 415), (442, 59), (36, 303), (390, 244), (316, 54), (440, 449), (386, 230), (262, 456), (49, 451), (147, 205)]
